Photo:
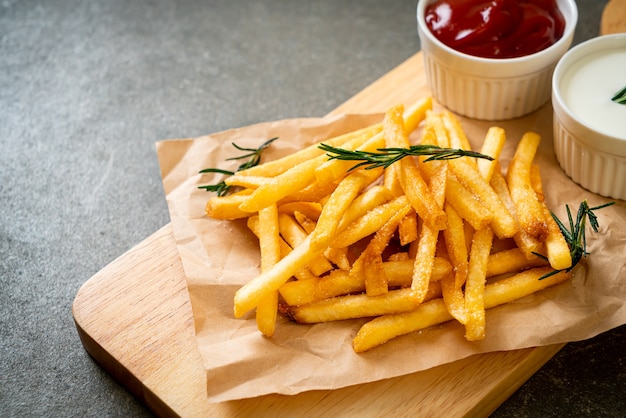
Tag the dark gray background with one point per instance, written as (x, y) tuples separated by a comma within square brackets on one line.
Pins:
[(88, 87)]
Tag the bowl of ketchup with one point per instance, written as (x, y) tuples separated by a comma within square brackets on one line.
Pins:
[(493, 60)]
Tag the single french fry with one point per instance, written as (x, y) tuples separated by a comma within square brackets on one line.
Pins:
[(415, 114), (452, 285), (227, 207), (407, 230), (386, 327), (391, 180), (535, 181), (427, 244), (457, 136), (492, 146), (338, 203), (299, 292), (354, 306), (557, 249), (475, 284), (528, 244), (410, 178), (339, 257), (269, 244), (530, 212), (511, 260)]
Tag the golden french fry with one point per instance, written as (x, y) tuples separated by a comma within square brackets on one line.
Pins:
[(407, 230), (475, 284), (269, 244), (339, 257), (415, 114), (452, 285), (535, 181), (338, 203), (457, 136), (524, 241), (433, 312), (494, 142), (530, 212), (511, 260), (299, 292), (391, 180), (227, 207), (354, 306)]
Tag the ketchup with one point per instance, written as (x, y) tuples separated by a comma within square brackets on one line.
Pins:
[(497, 28)]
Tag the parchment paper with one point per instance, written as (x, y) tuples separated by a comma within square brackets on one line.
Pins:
[(219, 256)]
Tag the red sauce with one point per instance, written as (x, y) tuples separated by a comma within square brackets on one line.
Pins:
[(497, 28)]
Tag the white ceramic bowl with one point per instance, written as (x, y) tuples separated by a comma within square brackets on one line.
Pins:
[(491, 88), (589, 128)]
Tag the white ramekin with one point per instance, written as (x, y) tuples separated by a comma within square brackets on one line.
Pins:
[(590, 153), (487, 88)]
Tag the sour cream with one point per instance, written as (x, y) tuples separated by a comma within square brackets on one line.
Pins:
[(588, 85)]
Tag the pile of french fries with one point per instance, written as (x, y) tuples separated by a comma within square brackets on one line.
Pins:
[(408, 246)]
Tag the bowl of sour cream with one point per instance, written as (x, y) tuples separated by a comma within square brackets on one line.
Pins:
[(493, 60), (589, 101)]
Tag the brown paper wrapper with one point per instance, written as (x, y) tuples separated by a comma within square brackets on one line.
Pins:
[(219, 256)]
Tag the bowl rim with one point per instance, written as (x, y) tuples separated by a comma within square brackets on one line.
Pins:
[(571, 20), (603, 141)]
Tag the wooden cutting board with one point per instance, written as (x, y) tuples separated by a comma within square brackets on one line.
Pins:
[(134, 318)]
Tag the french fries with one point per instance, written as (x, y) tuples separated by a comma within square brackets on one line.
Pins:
[(406, 246)]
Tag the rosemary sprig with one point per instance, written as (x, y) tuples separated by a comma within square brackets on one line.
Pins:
[(254, 154), (387, 156), (620, 96), (575, 235)]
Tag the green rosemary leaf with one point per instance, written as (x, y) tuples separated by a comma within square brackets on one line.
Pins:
[(384, 157), (620, 96), (254, 155)]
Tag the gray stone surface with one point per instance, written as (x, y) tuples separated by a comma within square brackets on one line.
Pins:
[(88, 87)]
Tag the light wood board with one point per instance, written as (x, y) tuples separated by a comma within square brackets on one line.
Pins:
[(134, 318)]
